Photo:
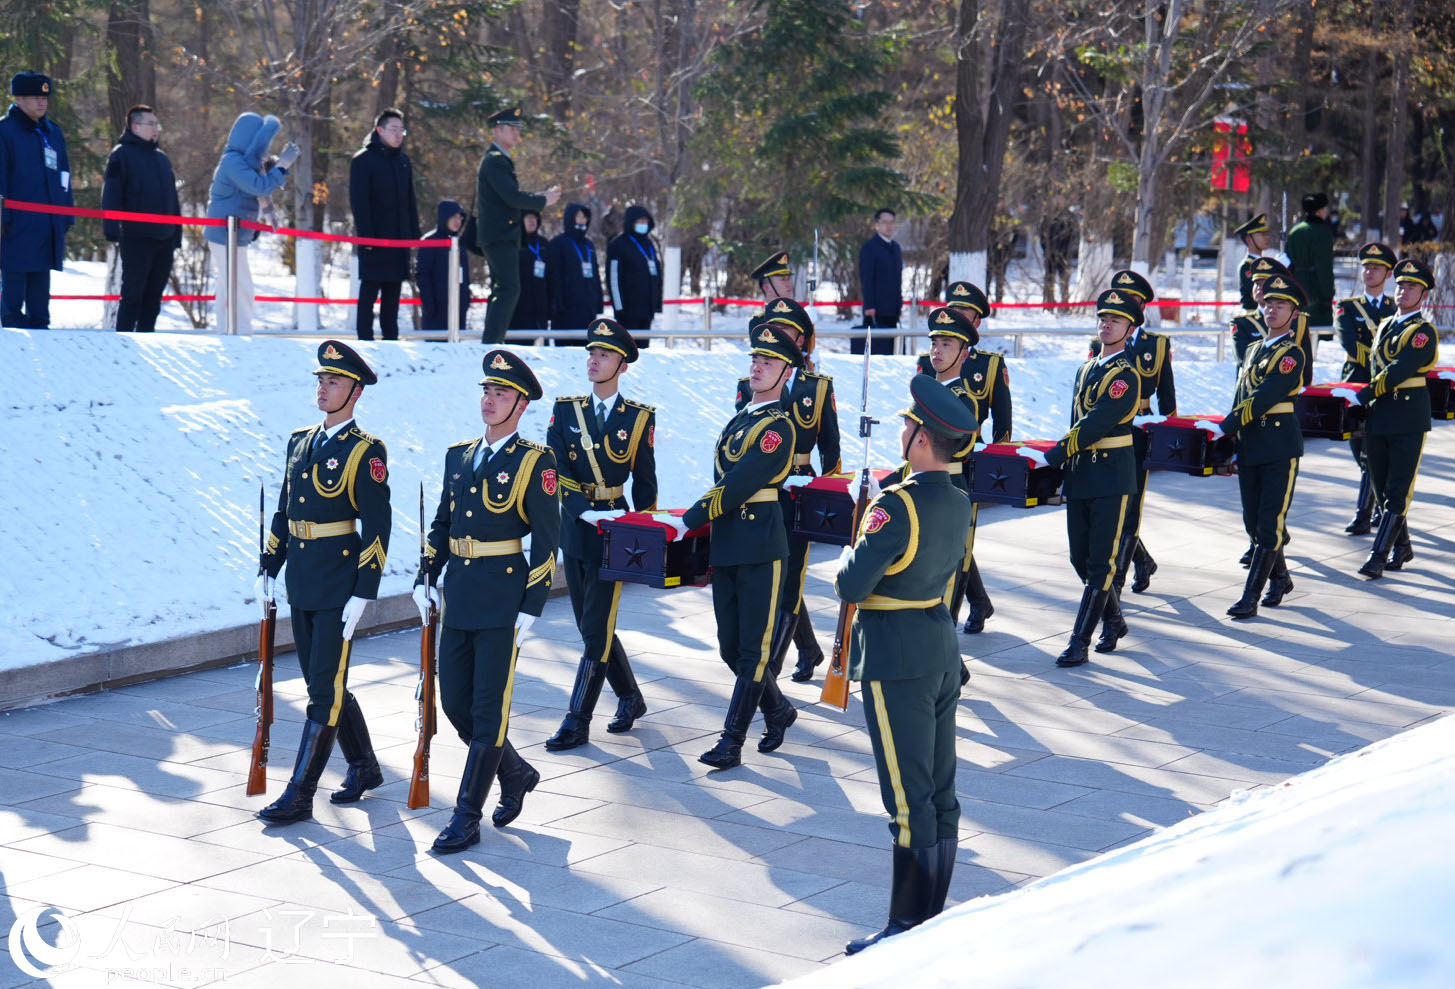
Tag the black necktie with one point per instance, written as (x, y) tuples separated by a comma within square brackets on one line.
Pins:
[(319, 439), (600, 417)]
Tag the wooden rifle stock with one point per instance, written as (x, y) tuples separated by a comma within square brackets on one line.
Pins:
[(258, 766), (836, 680), (419, 776)]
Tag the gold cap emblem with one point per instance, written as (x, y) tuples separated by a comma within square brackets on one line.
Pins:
[(602, 330), (331, 352), (944, 317), (782, 307), (500, 363), (1114, 298), (767, 336), (960, 290), (1277, 282), (1124, 280)]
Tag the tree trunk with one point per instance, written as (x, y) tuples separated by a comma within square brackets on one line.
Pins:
[(391, 57), (131, 76), (562, 19), (1399, 114), (1369, 151)]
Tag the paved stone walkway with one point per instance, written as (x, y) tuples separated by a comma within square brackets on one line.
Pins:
[(632, 864)]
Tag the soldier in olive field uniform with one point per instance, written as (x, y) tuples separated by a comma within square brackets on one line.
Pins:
[(904, 651), (1101, 473), (601, 441), (1359, 316), (750, 551), (332, 529), (1269, 441), (497, 489)]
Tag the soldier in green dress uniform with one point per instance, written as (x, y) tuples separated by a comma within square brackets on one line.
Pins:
[(1255, 237), (775, 277), (1269, 442), (750, 552), (1398, 399), (904, 651), (601, 442), (1100, 473), (498, 489), (332, 529), (1358, 317), (500, 201)]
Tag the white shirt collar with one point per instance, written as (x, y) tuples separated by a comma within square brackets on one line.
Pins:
[(498, 444), (1103, 358), (758, 405), (1407, 316), (610, 401), (331, 431)]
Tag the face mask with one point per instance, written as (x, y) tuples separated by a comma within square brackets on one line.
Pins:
[(641, 229), (581, 227)]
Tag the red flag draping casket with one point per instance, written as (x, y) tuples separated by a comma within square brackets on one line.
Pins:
[(1005, 477), (1323, 415), (637, 548), (1177, 444)]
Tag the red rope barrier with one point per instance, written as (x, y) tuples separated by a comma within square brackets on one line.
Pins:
[(114, 214)]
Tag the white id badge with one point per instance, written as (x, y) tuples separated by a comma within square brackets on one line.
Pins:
[(540, 268), (586, 270), (66, 181), (52, 160), (652, 268)]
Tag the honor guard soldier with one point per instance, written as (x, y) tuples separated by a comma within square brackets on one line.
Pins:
[(1254, 234), (600, 441), (1101, 473), (1269, 441), (1247, 328), (332, 529), (498, 489), (904, 651), (1358, 317), (1398, 399), (808, 398), (749, 553), (775, 277), (1150, 354)]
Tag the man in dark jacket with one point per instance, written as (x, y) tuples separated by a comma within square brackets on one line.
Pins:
[(573, 278), (381, 196), (880, 266), (634, 272), (1310, 249), (432, 269), (34, 168), (139, 179), (534, 308)]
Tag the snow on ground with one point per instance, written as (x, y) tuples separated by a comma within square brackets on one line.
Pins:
[(135, 460), (1338, 877)]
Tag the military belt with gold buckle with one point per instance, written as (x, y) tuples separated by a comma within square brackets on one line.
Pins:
[(1111, 443), (1412, 383), (955, 467), (879, 602), (763, 494), (473, 549), (320, 530), (802, 459), (1280, 407), (593, 493)]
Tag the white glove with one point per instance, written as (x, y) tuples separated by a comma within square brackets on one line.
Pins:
[(796, 481), (979, 445), (523, 622), (525, 545), (1447, 375), (592, 518), (1148, 420), (1210, 427), (845, 554), (675, 523), (353, 611), (265, 588), (874, 489), (424, 596), (288, 155), (1349, 396), (1031, 454)]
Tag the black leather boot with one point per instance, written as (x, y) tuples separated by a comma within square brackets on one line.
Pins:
[(1360, 524), (911, 893), (517, 778), (944, 870), (1113, 625), (778, 645), (1384, 541), (481, 762), (1247, 557), (296, 802), (1143, 567), (1279, 582), (1402, 552), (575, 728), (354, 742), (728, 752), (980, 606), (778, 715), (964, 673), (1093, 602), (630, 704), (810, 653), (1123, 561), (1259, 567)]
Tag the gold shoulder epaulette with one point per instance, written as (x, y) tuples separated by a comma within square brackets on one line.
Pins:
[(532, 444), (302, 429), (455, 446), (641, 405), (571, 398), (356, 431), (818, 376)]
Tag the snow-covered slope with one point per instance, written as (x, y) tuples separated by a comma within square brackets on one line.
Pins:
[(1339, 877)]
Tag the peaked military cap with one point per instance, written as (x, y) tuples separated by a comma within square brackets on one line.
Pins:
[(30, 84), (777, 264), (1410, 270), (510, 116), (504, 368), (1114, 302), (340, 358), (1134, 282), (1376, 253), (947, 321), (1257, 225), (937, 408), (1314, 202), (769, 341), (967, 295), (790, 313), (1266, 267), (1283, 286), (608, 335)]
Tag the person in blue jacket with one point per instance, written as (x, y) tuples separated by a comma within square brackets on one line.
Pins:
[(573, 276), (634, 270), (237, 183), (881, 266), (432, 269), (34, 168), (533, 309)]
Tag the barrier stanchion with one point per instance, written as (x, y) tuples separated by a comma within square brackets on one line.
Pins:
[(454, 282), (230, 274)]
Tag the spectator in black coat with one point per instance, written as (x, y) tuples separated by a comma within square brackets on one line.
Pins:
[(139, 179), (573, 275), (881, 266), (381, 196), (533, 310), (634, 272), (432, 269)]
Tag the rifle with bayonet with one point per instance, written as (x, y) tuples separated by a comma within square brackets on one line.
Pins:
[(258, 766), (424, 693)]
